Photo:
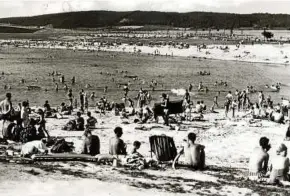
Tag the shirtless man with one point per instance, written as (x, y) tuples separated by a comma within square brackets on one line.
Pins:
[(187, 97), (70, 98), (194, 153), (116, 144), (164, 105), (261, 99), (6, 107), (258, 163)]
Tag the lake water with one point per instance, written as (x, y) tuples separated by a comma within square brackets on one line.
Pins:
[(172, 73)]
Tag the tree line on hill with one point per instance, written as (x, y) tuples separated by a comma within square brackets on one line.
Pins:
[(200, 20)]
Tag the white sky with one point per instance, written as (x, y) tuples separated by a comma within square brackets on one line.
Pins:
[(10, 8)]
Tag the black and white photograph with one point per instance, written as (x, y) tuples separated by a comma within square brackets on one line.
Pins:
[(144, 97)]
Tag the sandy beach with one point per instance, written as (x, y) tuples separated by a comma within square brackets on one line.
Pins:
[(228, 142)]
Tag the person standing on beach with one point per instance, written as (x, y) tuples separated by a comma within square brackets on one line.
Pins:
[(228, 102), (70, 98), (6, 107), (82, 99), (261, 99), (215, 103), (165, 106)]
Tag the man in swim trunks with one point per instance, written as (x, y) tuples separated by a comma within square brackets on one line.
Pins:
[(258, 163), (70, 98), (164, 105), (6, 107)]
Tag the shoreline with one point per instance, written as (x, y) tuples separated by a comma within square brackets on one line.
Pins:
[(258, 53)]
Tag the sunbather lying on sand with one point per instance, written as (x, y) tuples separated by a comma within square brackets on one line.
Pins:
[(34, 147)]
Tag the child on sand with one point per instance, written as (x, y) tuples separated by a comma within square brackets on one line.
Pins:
[(135, 159)]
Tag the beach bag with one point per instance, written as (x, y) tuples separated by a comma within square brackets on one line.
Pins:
[(163, 147), (62, 146)]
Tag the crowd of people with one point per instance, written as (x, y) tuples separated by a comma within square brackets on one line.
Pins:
[(30, 125)]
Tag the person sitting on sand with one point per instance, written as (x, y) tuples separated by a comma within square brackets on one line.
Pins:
[(203, 106), (278, 117), (198, 108), (263, 112), (64, 109), (80, 122), (280, 166), (258, 163), (194, 153), (91, 121), (200, 86), (135, 159), (147, 114), (48, 111), (91, 143), (116, 144), (34, 147), (41, 122), (285, 105)]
